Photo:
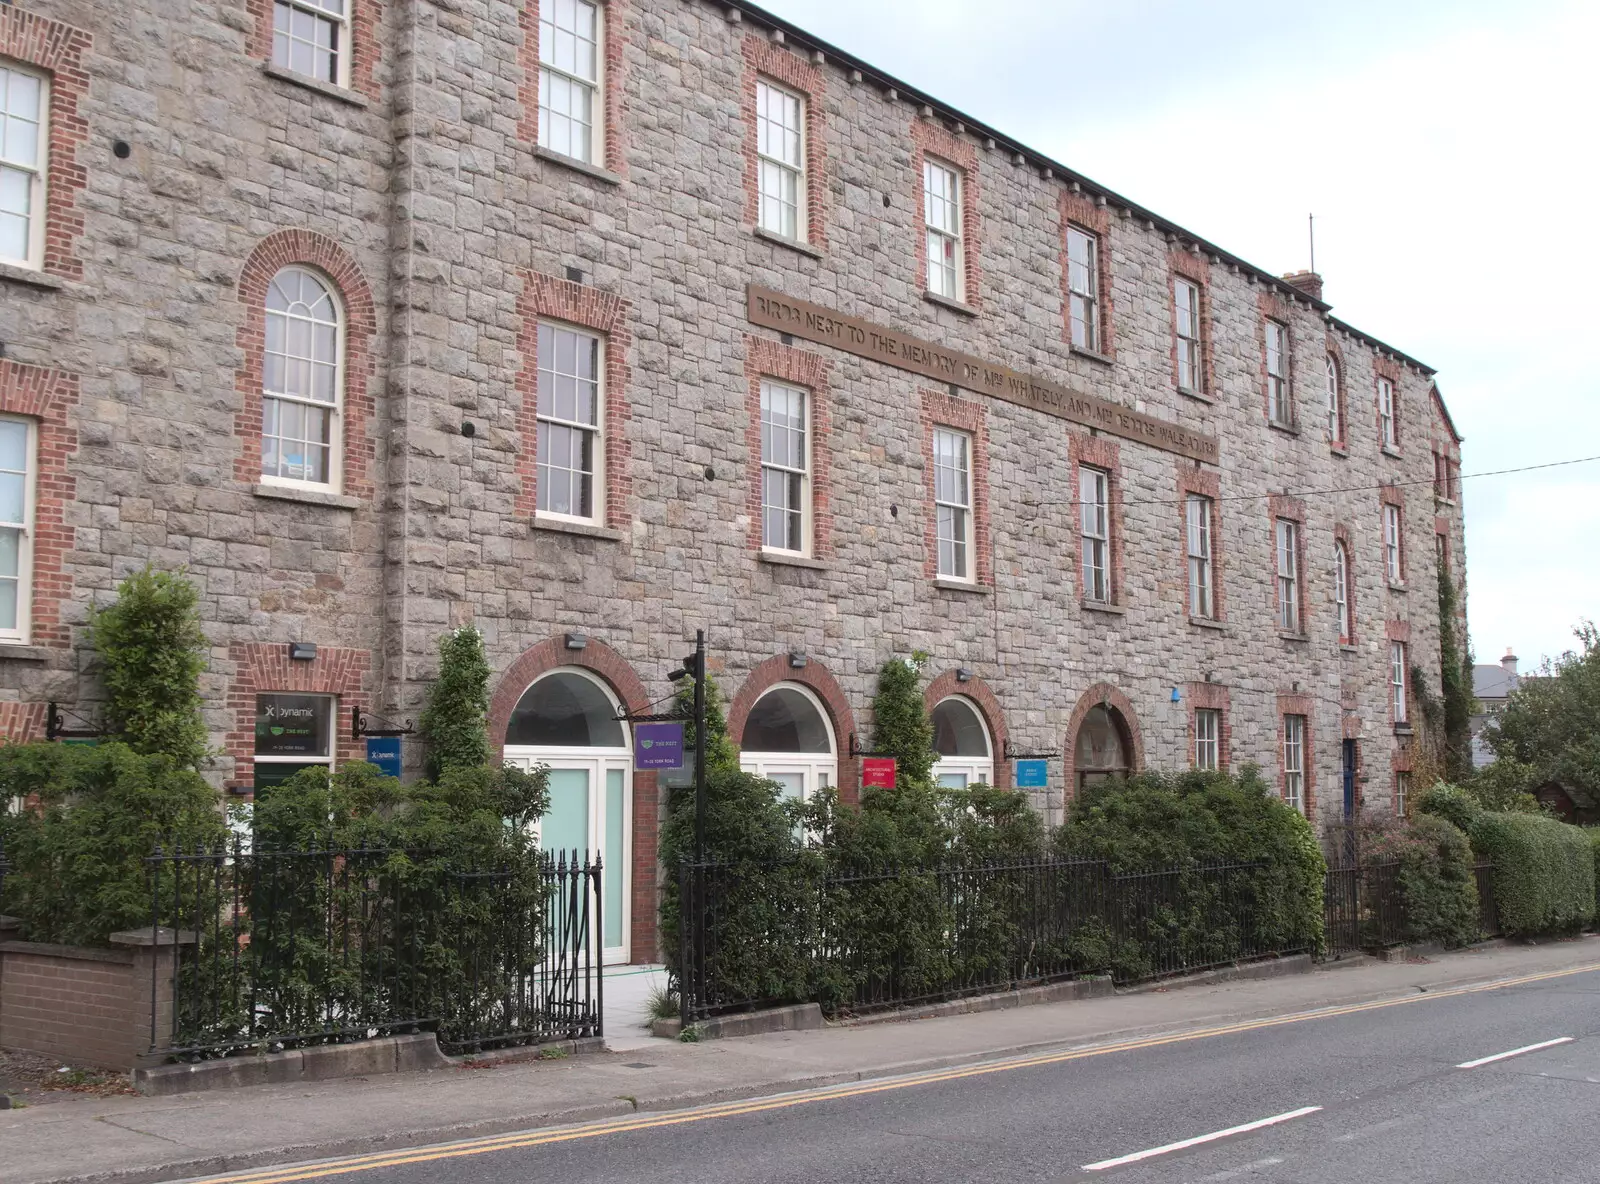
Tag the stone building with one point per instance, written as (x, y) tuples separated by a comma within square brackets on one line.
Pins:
[(595, 323)]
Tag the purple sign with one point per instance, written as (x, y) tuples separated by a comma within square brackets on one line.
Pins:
[(658, 746)]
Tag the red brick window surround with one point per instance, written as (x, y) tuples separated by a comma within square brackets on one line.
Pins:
[(931, 140), (22, 723), (1289, 563), (766, 61), (1338, 413), (1345, 558), (1085, 214), (1100, 694), (1302, 707), (544, 297), (1393, 496), (1191, 324), (358, 69), (766, 359), (1105, 455), (1274, 312), (58, 51), (1195, 482), (356, 408), (264, 668), (608, 150), (946, 411), (1387, 370), (1397, 673), (820, 681), (1401, 785), (1211, 696), (975, 689), (48, 398)]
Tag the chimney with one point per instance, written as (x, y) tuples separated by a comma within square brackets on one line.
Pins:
[(1308, 282), (1509, 663)]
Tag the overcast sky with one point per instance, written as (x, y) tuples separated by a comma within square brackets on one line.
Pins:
[(1449, 150)]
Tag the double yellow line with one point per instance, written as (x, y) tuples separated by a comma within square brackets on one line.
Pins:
[(488, 1145)]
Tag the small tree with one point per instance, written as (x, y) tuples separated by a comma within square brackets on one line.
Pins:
[(454, 725), (901, 727), (152, 650), (1549, 729)]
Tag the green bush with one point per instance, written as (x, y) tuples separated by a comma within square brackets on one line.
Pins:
[(77, 858), (1594, 837), (1544, 872), (1452, 804), (152, 650), (1438, 890), (454, 725)]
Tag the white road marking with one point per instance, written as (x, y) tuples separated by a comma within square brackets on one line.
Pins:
[(1199, 1139), (1515, 1052)]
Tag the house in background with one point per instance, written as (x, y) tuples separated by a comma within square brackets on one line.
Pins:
[(1491, 685)]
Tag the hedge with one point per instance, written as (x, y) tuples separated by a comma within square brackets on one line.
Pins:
[(1438, 890), (1544, 872)]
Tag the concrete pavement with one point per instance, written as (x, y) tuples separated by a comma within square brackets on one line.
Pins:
[(135, 1139)]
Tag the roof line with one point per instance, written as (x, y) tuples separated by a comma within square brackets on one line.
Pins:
[(1040, 160)]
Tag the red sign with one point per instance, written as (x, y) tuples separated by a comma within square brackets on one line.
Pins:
[(877, 772)]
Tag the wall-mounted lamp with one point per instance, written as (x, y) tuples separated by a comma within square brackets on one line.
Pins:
[(797, 659), (963, 675), (302, 651), (577, 641)]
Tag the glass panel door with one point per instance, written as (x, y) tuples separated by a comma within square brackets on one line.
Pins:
[(614, 870), (565, 827)]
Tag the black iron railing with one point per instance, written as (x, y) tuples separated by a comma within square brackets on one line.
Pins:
[(754, 934), (279, 949), (1363, 908), (1488, 909)]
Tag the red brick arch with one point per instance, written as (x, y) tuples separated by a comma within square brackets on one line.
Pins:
[(1110, 696), (975, 689), (307, 248), (821, 682)]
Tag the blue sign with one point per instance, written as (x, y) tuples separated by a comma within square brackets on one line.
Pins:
[(658, 746), (384, 751), (1032, 774)]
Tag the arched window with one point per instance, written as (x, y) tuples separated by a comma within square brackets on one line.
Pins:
[(302, 387), (1335, 411), (1103, 746), (966, 756), (1341, 590), (567, 722), (789, 739)]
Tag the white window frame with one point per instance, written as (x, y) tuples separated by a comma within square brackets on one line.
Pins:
[(1207, 738), (976, 769), (1335, 409), (1402, 790), (1294, 761), (597, 492), (944, 280), (818, 770), (769, 166), (1280, 408), (1197, 513), (1397, 681), (336, 409), (808, 447), (1286, 536), (37, 171), (1187, 320), (1341, 590), (594, 150), (25, 530), (1388, 429), (1094, 534), (1083, 299), (956, 508), (343, 46), (1393, 541)]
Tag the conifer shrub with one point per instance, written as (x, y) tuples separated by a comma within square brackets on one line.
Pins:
[(454, 725)]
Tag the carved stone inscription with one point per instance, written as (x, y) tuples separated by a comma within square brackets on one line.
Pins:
[(815, 323)]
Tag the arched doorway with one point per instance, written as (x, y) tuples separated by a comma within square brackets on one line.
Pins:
[(1103, 747), (961, 739), (788, 738), (567, 721)]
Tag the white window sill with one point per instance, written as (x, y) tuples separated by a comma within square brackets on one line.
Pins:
[(1208, 623), (1189, 392), (1403, 729), (946, 584), (1339, 450), (792, 559), (17, 651), (1289, 635), (951, 303), (308, 497), (1441, 500), (1346, 647), (16, 273), (793, 244), (1288, 429), (341, 93), (1391, 450), (582, 529), (1093, 355), (576, 165), (1397, 586), (1104, 606)]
